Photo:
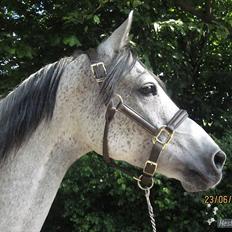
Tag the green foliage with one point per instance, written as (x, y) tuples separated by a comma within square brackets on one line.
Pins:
[(193, 51), (71, 41)]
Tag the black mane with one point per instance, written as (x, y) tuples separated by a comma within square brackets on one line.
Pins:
[(32, 101)]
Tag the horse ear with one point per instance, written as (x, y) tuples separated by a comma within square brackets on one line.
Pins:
[(118, 39)]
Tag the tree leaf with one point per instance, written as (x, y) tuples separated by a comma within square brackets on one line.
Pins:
[(71, 41)]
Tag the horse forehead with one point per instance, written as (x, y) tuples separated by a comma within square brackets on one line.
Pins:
[(137, 70), (138, 76)]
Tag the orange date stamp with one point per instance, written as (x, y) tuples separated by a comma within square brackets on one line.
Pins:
[(217, 199)]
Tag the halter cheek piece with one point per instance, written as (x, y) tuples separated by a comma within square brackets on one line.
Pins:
[(161, 137)]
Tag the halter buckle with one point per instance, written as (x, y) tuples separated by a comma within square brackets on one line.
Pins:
[(163, 132), (150, 168), (102, 71)]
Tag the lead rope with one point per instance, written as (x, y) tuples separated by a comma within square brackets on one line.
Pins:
[(150, 209)]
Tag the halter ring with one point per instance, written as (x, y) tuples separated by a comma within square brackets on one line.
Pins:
[(119, 102), (138, 179)]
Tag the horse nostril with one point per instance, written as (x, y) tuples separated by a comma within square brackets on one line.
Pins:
[(219, 159)]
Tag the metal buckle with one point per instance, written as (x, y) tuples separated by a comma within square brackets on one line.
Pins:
[(149, 165), (94, 73), (168, 135)]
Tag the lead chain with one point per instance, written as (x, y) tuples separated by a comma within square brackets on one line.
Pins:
[(150, 209)]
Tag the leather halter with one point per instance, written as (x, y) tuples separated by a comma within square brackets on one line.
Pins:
[(161, 137)]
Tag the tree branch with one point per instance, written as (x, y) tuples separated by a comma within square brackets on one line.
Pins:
[(208, 8), (205, 15)]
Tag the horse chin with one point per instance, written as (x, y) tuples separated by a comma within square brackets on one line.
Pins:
[(196, 181), (197, 187)]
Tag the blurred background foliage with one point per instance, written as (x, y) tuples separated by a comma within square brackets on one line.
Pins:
[(188, 43)]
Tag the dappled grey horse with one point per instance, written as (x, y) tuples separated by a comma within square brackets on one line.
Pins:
[(58, 114)]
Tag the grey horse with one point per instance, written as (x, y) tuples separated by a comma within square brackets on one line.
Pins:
[(58, 114)]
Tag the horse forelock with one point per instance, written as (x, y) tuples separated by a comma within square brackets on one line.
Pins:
[(121, 65), (32, 101)]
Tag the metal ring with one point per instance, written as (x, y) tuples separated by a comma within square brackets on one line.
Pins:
[(145, 188), (120, 100)]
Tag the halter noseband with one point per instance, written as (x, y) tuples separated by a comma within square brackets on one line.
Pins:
[(161, 137)]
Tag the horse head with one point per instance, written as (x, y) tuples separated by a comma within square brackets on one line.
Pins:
[(192, 157)]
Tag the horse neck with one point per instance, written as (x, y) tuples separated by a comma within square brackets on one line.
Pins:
[(30, 178), (29, 181)]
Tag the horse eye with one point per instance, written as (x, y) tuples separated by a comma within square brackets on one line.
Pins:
[(148, 90)]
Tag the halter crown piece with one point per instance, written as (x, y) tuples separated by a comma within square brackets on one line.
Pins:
[(160, 137)]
